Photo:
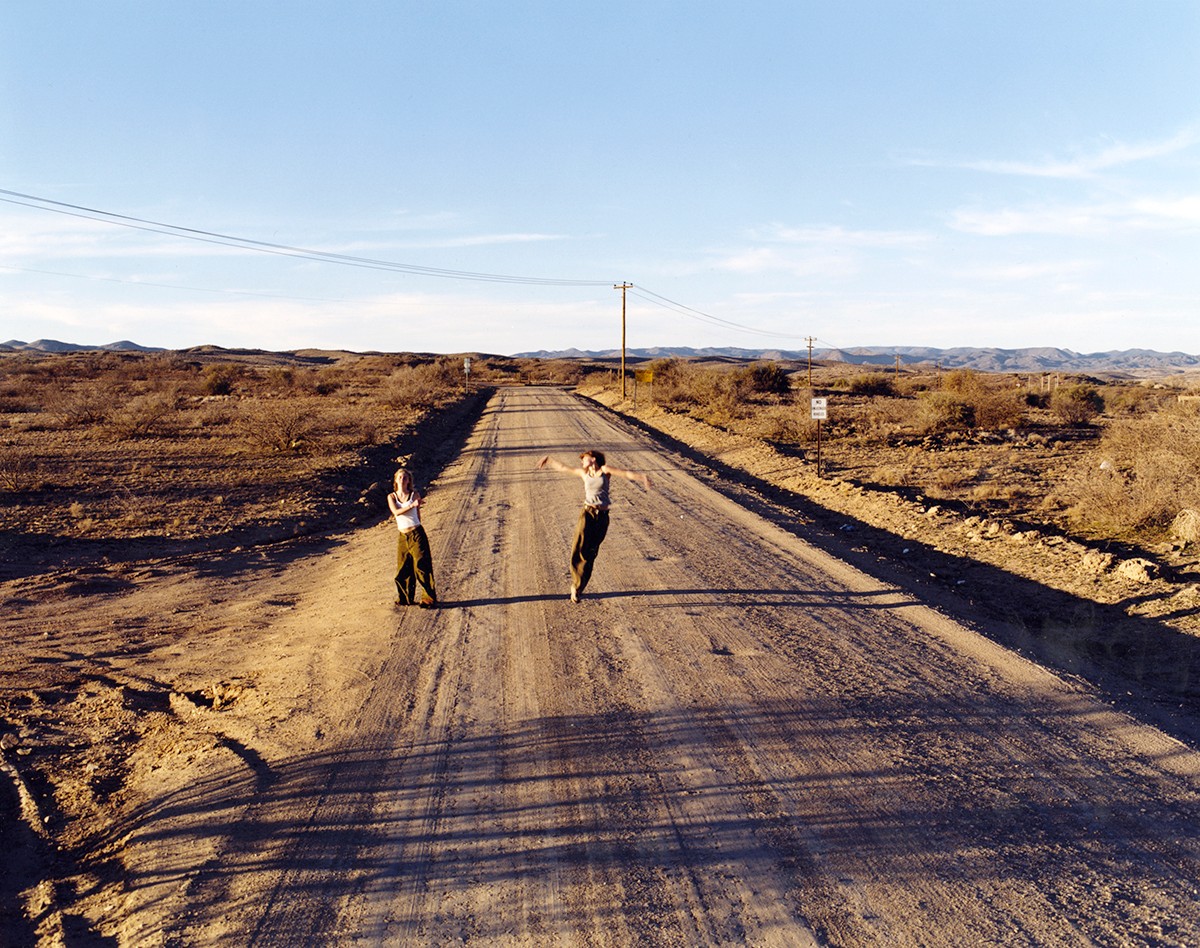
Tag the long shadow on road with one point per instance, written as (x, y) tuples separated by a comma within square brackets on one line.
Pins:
[(462, 817), (1139, 664)]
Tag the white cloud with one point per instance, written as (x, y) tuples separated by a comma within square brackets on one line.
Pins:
[(801, 263), (829, 235), (1081, 220), (827, 251), (1084, 166), (1185, 210), (1022, 272), (485, 240)]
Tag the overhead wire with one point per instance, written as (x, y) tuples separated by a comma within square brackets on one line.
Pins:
[(205, 236), (658, 299), (172, 286), (244, 243)]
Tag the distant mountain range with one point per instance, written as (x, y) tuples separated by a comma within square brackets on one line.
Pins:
[(1132, 361), (984, 360), (53, 345)]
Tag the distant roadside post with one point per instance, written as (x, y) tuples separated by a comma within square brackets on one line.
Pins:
[(819, 409), (466, 376)]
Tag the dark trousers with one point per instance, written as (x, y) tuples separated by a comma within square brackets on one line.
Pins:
[(414, 569), (589, 534)]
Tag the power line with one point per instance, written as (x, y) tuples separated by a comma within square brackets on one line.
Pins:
[(172, 286), (262, 246), (700, 315)]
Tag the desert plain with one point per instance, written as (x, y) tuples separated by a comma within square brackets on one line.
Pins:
[(910, 696)]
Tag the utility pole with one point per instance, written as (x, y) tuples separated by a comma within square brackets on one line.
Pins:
[(622, 287), (810, 341)]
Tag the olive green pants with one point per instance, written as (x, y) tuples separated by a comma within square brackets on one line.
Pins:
[(589, 534), (414, 569)]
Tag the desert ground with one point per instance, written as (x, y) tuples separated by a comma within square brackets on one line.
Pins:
[(787, 712)]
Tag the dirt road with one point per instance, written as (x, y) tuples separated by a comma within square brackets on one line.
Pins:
[(734, 739)]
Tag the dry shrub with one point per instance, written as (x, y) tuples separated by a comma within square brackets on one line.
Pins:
[(308, 426), (912, 385), (1142, 475), (213, 411), (996, 410), (142, 415), (766, 378), (873, 384), (673, 384), (1185, 405), (1076, 404), (1134, 399), (782, 424), (18, 471), (221, 379), (325, 380), (719, 396), (965, 382), (422, 386), (724, 396), (279, 424), (344, 429), (901, 470), (939, 412), (81, 406), (966, 402), (20, 392), (883, 417)]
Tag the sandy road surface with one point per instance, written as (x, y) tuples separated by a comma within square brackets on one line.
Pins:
[(735, 739)]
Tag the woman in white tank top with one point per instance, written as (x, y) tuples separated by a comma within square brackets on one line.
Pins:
[(414, 561)]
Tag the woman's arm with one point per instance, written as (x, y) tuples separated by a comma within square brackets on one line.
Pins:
[(548, 461), (634, 476), (398, 508)]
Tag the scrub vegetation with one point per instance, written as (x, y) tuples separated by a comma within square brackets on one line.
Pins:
[(209, 442), (1111, 459)]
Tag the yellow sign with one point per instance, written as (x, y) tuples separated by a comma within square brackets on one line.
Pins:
[(644, 375)]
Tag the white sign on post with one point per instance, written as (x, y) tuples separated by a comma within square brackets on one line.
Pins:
[(819, 409)]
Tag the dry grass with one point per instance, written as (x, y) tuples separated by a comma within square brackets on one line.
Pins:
[(1143, 473), (209, 442), (1025, 447), (205, 443)]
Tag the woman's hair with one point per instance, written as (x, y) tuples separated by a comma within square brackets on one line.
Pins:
[(598, 455), (401, 473)]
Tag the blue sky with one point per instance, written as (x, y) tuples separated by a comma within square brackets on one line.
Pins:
[(864, 173)]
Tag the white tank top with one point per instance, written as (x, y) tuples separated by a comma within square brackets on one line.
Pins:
[(595, 490), (410, 518)]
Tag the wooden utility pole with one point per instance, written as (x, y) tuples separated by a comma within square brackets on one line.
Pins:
[(622, 287), (810, 341)]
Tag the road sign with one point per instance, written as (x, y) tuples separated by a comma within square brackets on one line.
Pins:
[(819, 409)]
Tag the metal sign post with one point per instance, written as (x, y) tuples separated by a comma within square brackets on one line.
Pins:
[(819, 409)]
